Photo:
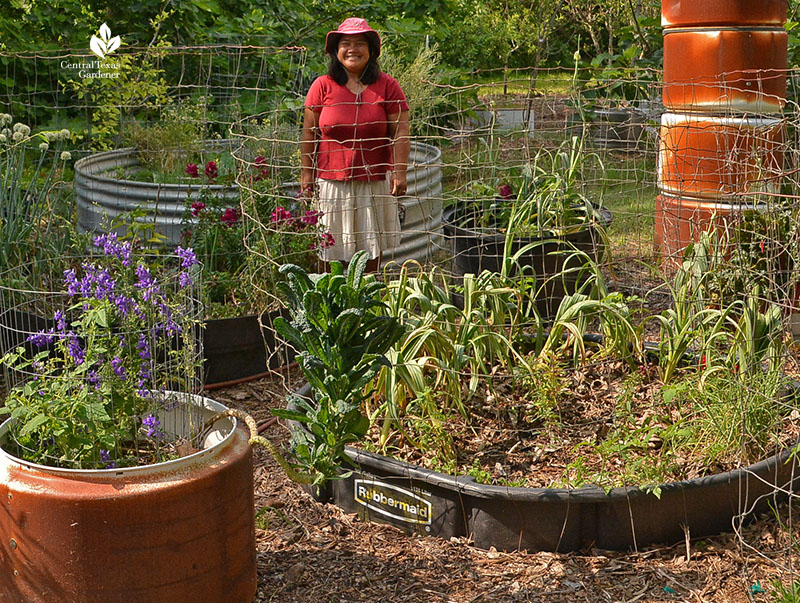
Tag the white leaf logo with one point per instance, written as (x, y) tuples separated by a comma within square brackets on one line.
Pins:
[(105, 44)]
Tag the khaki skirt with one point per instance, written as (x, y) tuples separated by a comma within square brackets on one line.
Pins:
[(360, 214)]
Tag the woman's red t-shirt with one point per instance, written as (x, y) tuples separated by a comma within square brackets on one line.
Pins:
[(354, 142)]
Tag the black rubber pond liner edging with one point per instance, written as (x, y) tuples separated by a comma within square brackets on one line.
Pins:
[(421, 501)]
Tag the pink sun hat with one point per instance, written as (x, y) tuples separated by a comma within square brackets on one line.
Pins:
[(351, 26)]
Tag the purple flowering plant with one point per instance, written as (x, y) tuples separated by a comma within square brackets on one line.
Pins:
[(124, 336)]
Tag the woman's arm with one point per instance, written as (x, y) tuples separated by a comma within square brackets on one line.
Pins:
[(401, 147), (308, 150)]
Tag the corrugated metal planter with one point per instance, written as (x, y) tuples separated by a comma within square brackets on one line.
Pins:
[(179, 531), (681, 13), (421, 233), (741, 69), (680, 221), (422, 230), (101, 196), (714, 157)]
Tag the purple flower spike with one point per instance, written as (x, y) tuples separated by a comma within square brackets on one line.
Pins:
[(187, 256), (41, 339), (116, 366), (144, 347), (105, 457), (152, 425), (93, 378), (74, 349)]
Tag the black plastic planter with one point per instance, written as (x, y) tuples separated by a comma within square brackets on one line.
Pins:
[(558, 269), (557, 519), (619, 128), (240, 347), (421, 501)]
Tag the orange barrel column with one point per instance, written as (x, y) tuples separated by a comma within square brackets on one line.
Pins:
[(722, 137)]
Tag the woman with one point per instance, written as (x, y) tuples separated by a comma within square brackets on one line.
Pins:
[(355, 146)]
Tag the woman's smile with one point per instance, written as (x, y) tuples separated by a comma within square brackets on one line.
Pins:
[(353, 53)]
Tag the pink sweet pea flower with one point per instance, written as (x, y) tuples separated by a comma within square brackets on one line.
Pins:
[(311, 217), (191, 170), (230, 217), (263, 168), (505, 191), (281, 215), (197, 207), (211, 170)]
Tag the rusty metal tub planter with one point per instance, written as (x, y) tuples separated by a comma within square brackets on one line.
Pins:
[(177, 531), (421, 501), (682, 13), (713, 157), (724, 69), (679, 221)]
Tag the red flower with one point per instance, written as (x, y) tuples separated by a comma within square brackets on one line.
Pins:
[(191, 170), (186, 235), (263, 168), (311, 217), (211, 170), (762, 247), (197, 207), (230, 217), (505, 192), (327, 240), (281, 215), (703, 362)]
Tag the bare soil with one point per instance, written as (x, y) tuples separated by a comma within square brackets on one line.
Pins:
[(308, 551)]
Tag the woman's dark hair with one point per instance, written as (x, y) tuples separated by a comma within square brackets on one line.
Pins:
[(372, 70)]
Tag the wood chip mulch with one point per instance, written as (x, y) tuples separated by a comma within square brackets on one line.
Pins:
[(308, 551)]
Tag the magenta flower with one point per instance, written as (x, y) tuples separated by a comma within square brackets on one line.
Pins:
[(263, 168), (281, 215), (197, 207), (505, 191), (230, 217), (327, 240), (311, 217), (191, 170), (211, 170)]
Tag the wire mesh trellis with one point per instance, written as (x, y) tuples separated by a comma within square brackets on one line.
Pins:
[(487, 129), (121, 358)]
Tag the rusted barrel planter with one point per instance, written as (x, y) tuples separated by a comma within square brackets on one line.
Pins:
[(720, 56), (683, 13), (741, 69), (679, 221), (712, 157), (178, 531)]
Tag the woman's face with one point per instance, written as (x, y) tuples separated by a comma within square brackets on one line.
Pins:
[(353, 52)]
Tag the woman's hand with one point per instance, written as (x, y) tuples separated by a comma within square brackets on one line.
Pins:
[(307, 183), (399, 184)]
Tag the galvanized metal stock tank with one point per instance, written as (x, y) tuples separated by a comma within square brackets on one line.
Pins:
[(102, 197), (178, 531), (421, 233)]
